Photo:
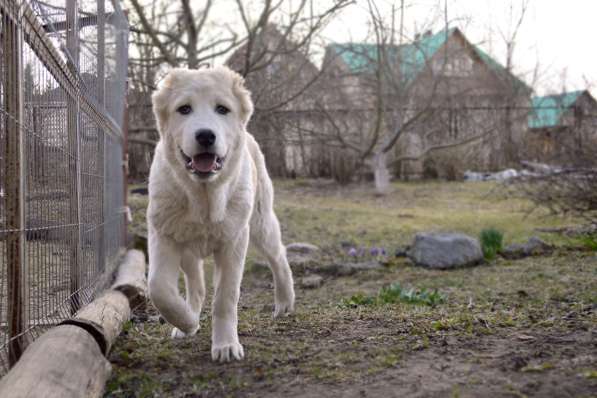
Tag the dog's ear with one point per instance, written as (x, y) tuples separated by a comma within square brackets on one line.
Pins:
[(161, 98), (244, 97)]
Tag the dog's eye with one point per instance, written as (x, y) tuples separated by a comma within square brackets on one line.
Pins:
[(184, 109), (222, 110)]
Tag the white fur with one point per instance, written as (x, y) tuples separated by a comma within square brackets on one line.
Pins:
[(190, 218)]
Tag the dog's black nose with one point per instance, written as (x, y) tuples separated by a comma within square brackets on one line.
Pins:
[(205, 137)]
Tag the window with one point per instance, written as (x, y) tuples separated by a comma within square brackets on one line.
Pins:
[(456, 119), (454, 66)]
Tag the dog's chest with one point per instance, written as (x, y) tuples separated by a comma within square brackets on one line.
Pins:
[(186, 224)]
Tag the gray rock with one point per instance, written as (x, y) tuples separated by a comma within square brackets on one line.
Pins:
[(445, 250), (533, 247), (301, 248), (310, 281)]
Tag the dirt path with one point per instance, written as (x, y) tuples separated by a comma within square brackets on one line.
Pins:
[(511, 329), (510, 366)]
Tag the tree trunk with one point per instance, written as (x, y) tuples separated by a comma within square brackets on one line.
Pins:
[(381, 174)]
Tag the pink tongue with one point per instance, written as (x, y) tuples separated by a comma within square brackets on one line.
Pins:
[(204, 162)]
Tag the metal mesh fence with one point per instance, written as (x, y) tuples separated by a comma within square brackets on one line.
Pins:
[(62, 90)]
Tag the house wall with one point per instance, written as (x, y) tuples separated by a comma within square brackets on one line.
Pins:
[(284, 91), (572, 142), (478, 118)]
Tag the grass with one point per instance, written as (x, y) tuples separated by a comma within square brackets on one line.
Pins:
[(335, 217), (383, 332), (589, 241), (492, 242), (329, 215)]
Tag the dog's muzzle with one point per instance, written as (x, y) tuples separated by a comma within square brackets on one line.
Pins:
[(203, 164)]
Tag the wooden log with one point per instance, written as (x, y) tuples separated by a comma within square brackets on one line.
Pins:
[(65, 362), (68, 360), (104, 318), (131, 279)]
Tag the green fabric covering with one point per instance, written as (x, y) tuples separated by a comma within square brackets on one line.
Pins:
[(547, 111)]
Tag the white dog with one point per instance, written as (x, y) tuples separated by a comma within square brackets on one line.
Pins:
[(209, 192)]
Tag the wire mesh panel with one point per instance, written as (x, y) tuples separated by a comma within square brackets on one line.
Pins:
[(62, 89)]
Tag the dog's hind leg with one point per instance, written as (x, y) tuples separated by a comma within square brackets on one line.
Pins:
[(267, 238), (192, 267), (165, 260)]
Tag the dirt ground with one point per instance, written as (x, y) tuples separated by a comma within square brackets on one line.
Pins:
[(506, 328)]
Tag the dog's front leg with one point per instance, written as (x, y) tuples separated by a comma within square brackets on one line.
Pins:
[(164, 269), (228, 272)]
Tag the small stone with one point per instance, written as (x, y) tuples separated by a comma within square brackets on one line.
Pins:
[(533, 247), (346, 269), (300, 264), (301, 248), (311, 281), (401, 252)]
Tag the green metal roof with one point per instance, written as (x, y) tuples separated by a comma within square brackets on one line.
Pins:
[(547, 111), (362, 57), (359, 57), (414, 56)]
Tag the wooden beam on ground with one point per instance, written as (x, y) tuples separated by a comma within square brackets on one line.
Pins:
[(64, 362), (131, 279), (68, 361)]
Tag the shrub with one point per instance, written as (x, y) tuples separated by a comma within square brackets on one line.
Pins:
[(395, 293), (491, 242), (570, 191)]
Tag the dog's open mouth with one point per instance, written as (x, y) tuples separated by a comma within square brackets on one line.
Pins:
[(203, 164)]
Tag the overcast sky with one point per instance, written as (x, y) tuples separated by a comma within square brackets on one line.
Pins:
[(557, 35)]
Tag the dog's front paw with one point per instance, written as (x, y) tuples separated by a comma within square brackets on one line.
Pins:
[(227, 352), (179, 334)]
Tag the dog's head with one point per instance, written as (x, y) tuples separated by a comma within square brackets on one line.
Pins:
[(202, 117)]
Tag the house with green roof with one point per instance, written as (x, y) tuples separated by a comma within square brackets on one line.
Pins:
[(561, 127), (282, 88), (462, 85)]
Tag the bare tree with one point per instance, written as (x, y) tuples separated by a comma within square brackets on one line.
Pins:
[(509, 36), (259, 42), (392, 106)]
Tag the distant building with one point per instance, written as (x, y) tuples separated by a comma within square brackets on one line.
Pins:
[(472, 102), (562, 128), (283, 83)]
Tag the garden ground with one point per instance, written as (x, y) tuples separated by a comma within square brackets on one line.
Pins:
[(505, 328)]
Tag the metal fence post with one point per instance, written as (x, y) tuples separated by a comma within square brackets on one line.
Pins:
[(101, 158), (18, 314), (125, 165), (72, 44), (122, 60), (59, 234)]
